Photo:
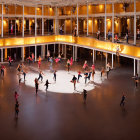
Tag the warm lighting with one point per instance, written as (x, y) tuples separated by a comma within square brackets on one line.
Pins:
[(50, 9), (108, 23), (116, 22), (101, 7), (89, 21), (89, 7), (17, 21), (4, 22), (95, 21), (128, 21)]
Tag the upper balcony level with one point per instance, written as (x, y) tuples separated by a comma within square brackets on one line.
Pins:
[(24, 21), (81, 10)]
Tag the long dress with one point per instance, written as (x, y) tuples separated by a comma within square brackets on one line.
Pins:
[(71, 61)]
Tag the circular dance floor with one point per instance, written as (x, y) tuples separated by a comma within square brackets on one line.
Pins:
[(63, 84)]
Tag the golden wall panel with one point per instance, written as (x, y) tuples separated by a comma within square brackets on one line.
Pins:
[(82, 10), (68, 10), (63, 38), (137, 6), (19, 10), (29, 10), (44, 39), (51, 11), (13, 41), (109, 8), (39, 11), (11, 9), (1, 43), (29, 41), (46, 11)]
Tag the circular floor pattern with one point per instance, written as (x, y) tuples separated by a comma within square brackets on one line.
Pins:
[(63, 84)]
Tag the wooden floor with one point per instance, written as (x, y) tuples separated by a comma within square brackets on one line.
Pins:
[(56, 116)]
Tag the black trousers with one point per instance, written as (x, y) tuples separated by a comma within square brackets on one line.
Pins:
[(40, 76), (54, 77), (2, 72), (79, 77)]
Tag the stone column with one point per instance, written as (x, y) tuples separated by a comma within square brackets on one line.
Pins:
[(73, 56), (43, 51), (112, 22), (35, 21), (56, 21), (23, 23), (75, 53), (65, 56), (22, 53), (77, 22), (112, 61), (2, 22), (135, 34), (138, 67), (106, 60), (87, 19), (105, 22), (42, 20), (1, 54), (134, 66), (35, 53)]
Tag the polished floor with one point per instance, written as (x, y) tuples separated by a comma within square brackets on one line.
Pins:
[(60, 116)]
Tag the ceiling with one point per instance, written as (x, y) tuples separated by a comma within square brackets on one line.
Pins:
[(60, 2)]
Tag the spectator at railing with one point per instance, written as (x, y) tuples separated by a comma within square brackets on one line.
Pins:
[(126, 37), (109, 34), (60, 30), (138, 33), (116, 39), (98, 35), (75, 31)]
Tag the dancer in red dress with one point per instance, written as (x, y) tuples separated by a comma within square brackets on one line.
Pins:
[(85, 66), (2, 70), (33, 57), (9, 60), (39, 62), (71, 61), (16, 96), (57, 60), (93, 67), (29, 60), (93, 71)]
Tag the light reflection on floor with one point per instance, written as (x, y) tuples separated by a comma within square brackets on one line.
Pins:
[(63, 84)]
